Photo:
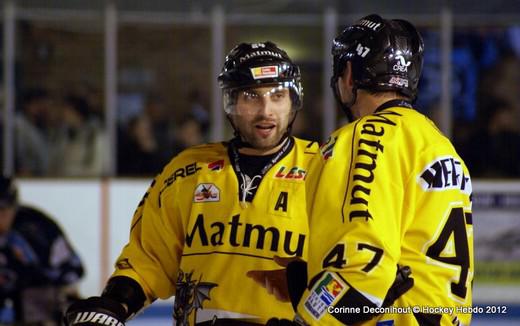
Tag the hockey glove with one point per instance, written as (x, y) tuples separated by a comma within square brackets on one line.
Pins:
[(280, 322), (95, 311)]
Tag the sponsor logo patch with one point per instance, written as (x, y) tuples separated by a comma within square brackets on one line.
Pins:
[(401, 65), (264, 72), (403, 82), (444, 173), (216, 166), (295, 173), (323, 294), (206, 192), (327, 148)]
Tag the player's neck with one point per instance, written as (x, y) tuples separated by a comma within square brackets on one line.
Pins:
[(260, 152), (367, 104)]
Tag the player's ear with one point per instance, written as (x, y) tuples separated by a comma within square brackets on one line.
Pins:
[(345, 81), (347, 75)]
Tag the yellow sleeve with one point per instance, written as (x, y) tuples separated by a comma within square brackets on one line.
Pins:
[(152, 255)]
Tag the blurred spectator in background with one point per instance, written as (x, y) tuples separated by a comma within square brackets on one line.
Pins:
[(31, 151), (147, 141), (38, 267), (94, 100), (138, 150), (199, 112), (79, 147), (494, 150), (188, 133), (162, 124)]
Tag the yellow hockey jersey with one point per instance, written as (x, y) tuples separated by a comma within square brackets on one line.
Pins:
[(192, 236), (389, 189)]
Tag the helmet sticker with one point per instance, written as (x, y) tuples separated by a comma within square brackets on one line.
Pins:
[(369, 24), (361, 50), (402, 82), (260, 53), (402, 64), (264, 72)]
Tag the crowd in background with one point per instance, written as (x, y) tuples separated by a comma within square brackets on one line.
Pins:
[(485, 87), (64, 134), (58, 135), (147, 141)]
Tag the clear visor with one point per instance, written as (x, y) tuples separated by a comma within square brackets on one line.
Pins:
[(250, 99)]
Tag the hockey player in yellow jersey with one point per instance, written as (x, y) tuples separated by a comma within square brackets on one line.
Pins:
[(217, 211), (388, 189)]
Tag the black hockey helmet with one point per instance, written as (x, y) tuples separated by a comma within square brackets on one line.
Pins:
[(259, 64), (386, 55), (8, 192)]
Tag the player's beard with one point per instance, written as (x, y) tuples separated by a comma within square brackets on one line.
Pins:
[(262, 139)]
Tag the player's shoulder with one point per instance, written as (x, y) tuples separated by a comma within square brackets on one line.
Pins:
[(387, 122), (306, 146), (26, 214), (196, 156), (30, 220)]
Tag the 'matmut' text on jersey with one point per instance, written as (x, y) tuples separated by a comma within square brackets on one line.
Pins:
[(235, 233), (366, 149)]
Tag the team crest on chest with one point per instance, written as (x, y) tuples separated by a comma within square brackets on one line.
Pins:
[(206, 192)]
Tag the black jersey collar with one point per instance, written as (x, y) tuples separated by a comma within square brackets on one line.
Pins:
[(234, 156), (393, 103)]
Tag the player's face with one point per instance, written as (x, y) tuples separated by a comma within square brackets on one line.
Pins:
[(262, 115), (6, 218)]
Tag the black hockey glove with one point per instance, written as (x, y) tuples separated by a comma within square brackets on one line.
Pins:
[(296, 280), (402, 283), (96, 311), (280, 322)]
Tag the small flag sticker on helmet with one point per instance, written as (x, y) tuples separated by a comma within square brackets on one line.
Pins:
[(264, 72)]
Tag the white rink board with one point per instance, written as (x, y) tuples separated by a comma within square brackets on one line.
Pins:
[(77, 206)]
